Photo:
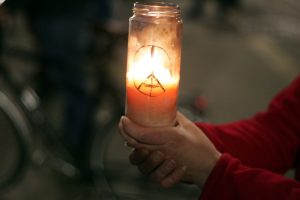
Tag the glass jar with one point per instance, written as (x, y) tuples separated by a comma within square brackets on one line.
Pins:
[(153, 64)]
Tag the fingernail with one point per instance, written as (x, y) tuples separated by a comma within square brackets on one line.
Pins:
[(122, 119), (145, 152)]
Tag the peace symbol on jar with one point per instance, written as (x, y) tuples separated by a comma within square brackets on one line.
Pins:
[(152, 70)]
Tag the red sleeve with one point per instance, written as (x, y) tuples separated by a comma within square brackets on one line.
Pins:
[(270, 140), (230, 180)]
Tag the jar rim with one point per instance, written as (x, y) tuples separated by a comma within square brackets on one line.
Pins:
[(156, 4), (156, 8)]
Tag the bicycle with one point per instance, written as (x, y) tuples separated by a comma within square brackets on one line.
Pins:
[(30, 136)]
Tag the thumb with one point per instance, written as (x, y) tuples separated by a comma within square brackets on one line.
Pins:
[(182, 120), (145, 135)]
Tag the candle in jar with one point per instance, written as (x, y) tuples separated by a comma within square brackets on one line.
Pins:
[(151, 90), (153, 64)]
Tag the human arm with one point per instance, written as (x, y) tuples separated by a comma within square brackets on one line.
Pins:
[(227, 179), (270, 139), (231, 180)]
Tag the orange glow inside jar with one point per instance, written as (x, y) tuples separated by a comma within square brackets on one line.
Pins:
[(153, 64)]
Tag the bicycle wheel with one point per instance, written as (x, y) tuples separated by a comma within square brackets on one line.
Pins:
[(13, 133)]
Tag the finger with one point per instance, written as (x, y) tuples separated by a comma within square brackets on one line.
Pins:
[(138, 156), (155, 159), (146, 135), (181, 119), (132, 142), (163, 170), (129, 140), (174, 177), (128, 146)]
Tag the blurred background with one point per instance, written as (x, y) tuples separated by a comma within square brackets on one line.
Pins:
[(63, 69)]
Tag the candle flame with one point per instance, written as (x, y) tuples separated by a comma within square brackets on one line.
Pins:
[(153, 62)]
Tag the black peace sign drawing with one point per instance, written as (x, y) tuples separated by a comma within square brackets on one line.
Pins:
[(151, 85)]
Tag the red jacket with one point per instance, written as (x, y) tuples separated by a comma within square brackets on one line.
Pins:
[(257, 151)]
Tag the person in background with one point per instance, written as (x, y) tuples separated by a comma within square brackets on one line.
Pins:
[(197, 8), (60, 30), (225, 6), (242, 160)]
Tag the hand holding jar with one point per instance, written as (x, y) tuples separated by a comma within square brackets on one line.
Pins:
[(171, 154)]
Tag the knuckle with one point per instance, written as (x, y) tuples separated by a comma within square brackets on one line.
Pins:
[(153, 161), (164, 170), (170, 165), (179, 173), (138, 156), (156, 158), (173, 178), (177, 176)]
